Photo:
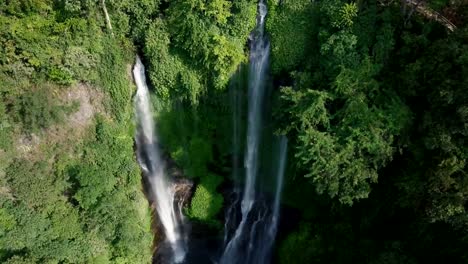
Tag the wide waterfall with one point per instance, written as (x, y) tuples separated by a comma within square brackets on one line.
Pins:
[(149, 157), (253, 238)]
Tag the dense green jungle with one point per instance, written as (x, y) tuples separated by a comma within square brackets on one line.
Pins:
[(372, 96)]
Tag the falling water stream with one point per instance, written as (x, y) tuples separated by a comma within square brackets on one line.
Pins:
[(253, 238), (149, 158)]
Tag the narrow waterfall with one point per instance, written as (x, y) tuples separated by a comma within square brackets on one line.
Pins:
[(272, 225), (265, 224), (259, 53), (255, 233), (152, 165), (283, 147)]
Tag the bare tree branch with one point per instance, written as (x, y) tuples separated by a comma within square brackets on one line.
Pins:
[(429, 13), (108, 21)]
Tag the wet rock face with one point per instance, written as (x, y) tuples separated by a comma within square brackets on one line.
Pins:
[(183, 191), (183, 187)]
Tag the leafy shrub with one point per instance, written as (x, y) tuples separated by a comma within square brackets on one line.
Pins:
[(60, 75), (206, 202), (168, 71), (290, 26)]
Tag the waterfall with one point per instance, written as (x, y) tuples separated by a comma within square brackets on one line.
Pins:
[(283, 146), (150, 160), (264, 228), (259, 53), (256, 231), (273, 221)]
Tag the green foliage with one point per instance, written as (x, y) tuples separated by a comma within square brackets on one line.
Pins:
[(242, 19), (21, 8), (443, 128), (6, 140), (380, 113), (45, 224), (343, 121), (206, 202), (113, 64), (199, 45), (35, 191), (36, 46), (132, 18), (76, 200), (219, 10), (195, 136), (62, 47), (200, 153), (300, 246), (104, 164), (290, 26), (7, 221), (167, 71), (341, 149), (42, 219), (339, 49), (339, 14), (28, 107), (227, 56), (348, 13), (197, 28)]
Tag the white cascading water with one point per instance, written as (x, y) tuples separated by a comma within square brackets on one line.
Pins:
[(263, 229), (274, 219), (283, 147), (256, 231), (259, 54), (150, 160)]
